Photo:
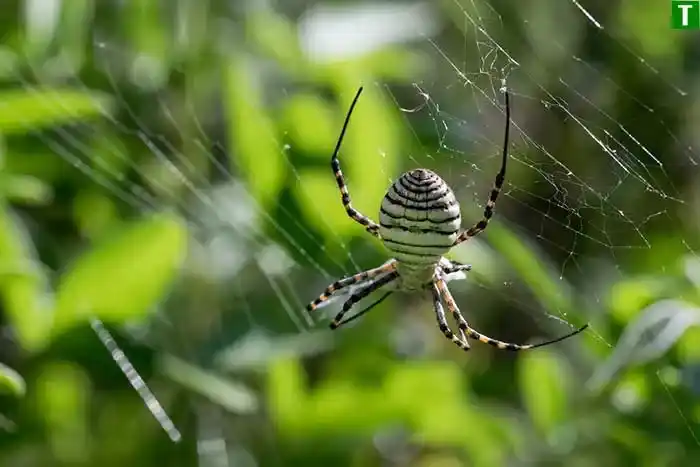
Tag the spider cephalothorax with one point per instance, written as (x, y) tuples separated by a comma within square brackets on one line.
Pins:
[(419, 222)]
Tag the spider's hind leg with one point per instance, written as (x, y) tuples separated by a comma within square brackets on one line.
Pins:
[(442, 290)]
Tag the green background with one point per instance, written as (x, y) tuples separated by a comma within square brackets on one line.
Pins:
[(164, 167)]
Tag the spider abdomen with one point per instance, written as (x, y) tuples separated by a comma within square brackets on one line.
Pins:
[(419, 219)]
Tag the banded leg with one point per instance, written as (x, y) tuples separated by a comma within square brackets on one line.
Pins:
[(449, 266), (348, 281), (360, 294), (442, 322), (452, 306), (369, 308), (498, 184), (371, 226)]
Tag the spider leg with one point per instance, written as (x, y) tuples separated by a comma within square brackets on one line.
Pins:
[(498, 184), (441, 286), (362, 293), (348, 281), (376, 302), (450, 266), (442, 322), (371, 226)]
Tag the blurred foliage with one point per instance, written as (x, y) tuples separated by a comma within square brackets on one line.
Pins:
[(164, 169)]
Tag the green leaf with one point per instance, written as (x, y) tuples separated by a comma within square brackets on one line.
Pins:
[(368, 157), (25, 189), (657, 328), (9, 63), (62, 396), (11, 381), (277, 37), (629, 296), (93, 212), (252, 134), (317, 186), (552, 293), (649, 28), (311, 125), (230, 395), (689, 346), (541, 377), (24, 287), (371, 147), (124, 276), (32, 109), (257, 349), (74, 31), (388, 64), (146, 31)]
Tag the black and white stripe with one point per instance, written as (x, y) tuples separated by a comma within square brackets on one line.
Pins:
[(419, 219)]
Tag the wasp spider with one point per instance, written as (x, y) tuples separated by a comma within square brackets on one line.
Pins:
[(419, 222)]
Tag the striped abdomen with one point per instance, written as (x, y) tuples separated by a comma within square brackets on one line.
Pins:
[(419, 222)]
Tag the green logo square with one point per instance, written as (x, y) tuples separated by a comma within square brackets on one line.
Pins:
[(685, 14)]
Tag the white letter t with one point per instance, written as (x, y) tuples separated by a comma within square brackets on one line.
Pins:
[(684, 15)]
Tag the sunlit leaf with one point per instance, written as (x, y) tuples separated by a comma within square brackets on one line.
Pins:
[(395, 64), (632, 392), (628, 297), (9, 63), (649, 27), (124, 276), (312, 126), (317, 186), (544, 19), (25, 189), (231, 395), (656, 329), (258, 350), (542, 381), (32, 109), (692, 270), (330, 33), (371, 150), (552, 292), (286, 393), (147, 33), (277, 37), (369, 158), (62, 399), (11, 381), (74, 30), (93, 212), (23, 283), (689, 346), (251, 133)]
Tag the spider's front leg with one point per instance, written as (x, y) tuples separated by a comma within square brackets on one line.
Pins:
[(359, 295), (349, 281), (370, 226), (497, 185)]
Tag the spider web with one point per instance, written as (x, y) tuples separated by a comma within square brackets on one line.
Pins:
[(577, 215)]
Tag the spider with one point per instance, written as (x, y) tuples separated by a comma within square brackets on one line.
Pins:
[(419, 222)]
